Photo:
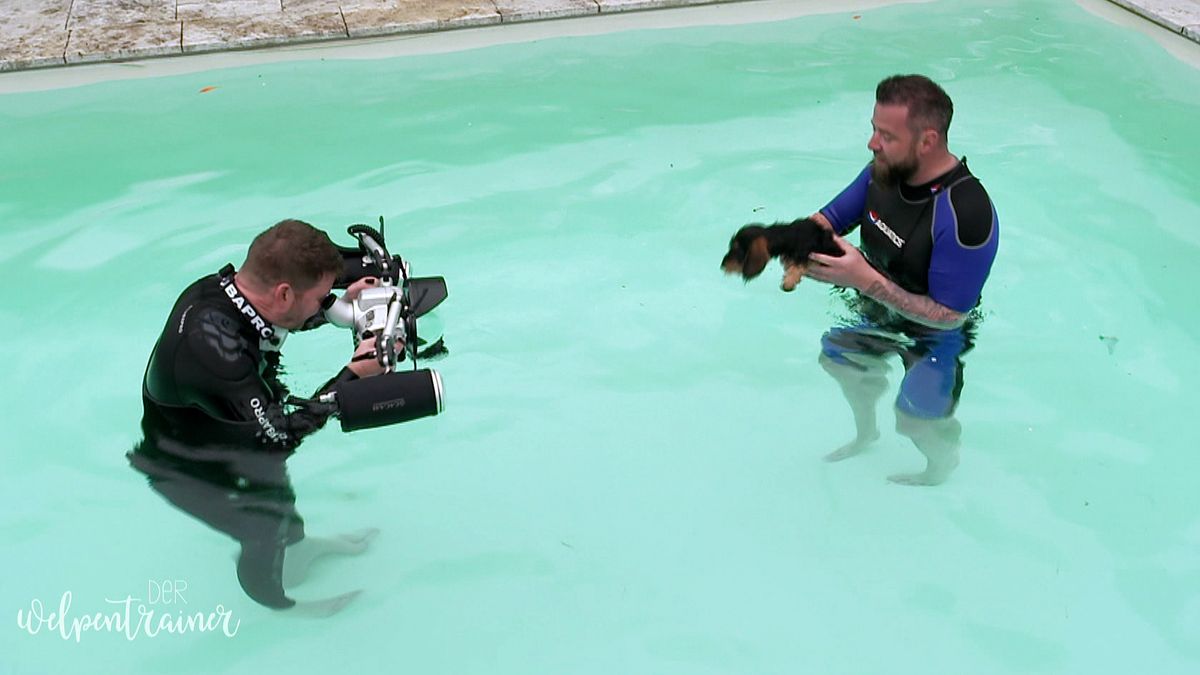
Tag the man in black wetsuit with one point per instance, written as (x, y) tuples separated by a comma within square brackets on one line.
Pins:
[(216, 362), (929, 236), (217, 428)]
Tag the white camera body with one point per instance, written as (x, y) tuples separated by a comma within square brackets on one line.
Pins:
[(368, 314)]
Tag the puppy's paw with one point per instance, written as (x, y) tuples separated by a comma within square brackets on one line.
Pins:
[(792, 276)]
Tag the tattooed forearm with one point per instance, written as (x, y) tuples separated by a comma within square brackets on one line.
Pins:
[(919, 308)]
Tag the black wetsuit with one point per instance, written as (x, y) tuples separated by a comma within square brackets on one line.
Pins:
[(216, 432), (215, 370)]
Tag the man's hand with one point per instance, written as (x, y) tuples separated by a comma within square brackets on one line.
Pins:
[(359, 286), (364, 363), (821, 220), (850, 269)]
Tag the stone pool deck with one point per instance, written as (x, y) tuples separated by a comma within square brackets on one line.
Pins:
[(1179, 16), (53, 33)]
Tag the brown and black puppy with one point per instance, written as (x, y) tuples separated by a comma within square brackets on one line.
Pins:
[(755, 244)]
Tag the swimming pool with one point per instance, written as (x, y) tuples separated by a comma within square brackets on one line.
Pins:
[(627, 476)]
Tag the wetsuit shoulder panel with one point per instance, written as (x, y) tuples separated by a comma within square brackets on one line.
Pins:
[(966, 234), (215, 342), (975, 217)]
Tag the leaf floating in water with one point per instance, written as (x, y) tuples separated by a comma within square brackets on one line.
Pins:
[(1110, 341), (205, 90)]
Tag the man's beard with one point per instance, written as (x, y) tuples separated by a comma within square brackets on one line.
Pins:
[(891, 175)]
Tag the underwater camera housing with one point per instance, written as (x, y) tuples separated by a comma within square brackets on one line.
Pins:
[(389, 313)]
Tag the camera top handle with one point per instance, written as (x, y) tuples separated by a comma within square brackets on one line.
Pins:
[(399, 309), (372, 244)]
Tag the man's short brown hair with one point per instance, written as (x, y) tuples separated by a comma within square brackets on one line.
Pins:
[(929, 106), (292, 252)]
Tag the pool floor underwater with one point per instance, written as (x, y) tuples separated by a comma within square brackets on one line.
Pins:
[(627, 476)]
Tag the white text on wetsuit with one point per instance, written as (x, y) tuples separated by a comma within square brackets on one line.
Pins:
[(264, 329), (887, 231), (261, 415)]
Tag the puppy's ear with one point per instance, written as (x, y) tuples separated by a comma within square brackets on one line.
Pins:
[(756, 258), (732, 262)]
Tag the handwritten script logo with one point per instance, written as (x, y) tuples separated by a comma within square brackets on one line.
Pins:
[(131, 616)]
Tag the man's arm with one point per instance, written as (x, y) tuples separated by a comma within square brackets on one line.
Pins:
[(844, 211), (219, 374), (852, 270), (920, 308)]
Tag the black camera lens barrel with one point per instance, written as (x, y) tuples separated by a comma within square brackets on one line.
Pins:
[(390, 398)]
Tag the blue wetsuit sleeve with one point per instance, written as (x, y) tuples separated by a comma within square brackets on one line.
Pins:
[(966, 235), (845, 210)]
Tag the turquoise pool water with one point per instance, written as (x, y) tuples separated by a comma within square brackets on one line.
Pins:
[(627, 476)]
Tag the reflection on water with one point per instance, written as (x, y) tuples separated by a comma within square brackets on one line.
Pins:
[(855, 353), (246, 493)]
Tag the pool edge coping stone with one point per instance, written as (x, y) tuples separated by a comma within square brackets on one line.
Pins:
[(381, 18), (123, 40)]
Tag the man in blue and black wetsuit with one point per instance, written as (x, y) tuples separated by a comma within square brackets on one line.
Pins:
[(929, 235), (216, 429)]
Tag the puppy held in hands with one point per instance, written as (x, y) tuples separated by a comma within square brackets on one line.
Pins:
[(755, 244)]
